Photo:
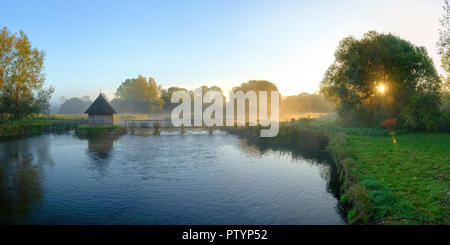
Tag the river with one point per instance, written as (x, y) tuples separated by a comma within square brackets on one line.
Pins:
[(167, 179)]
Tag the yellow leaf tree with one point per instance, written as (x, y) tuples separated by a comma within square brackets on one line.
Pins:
[(21, 77)]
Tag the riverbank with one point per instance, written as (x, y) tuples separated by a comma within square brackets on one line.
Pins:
[(381, 182), (306, 140), (38, 125), (387, 183), (16, 129)]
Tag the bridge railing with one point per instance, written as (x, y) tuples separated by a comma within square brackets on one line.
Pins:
[(165, 123), (148, 124)]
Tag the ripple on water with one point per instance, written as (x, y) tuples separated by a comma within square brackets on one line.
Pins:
[(194, 178)]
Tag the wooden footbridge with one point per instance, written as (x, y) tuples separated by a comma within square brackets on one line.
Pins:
[(167, 124), (148, 124)]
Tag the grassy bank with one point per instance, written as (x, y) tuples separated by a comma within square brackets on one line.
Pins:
[(382, 182), (118, 118), (404, 183), (37, 125), (288, 136), (91, 131), (23, 128), (387, 183)]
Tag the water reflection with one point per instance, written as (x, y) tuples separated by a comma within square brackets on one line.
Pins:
[(21, 176), (100, 152), (100, 147), (322, 159), (190, 179)]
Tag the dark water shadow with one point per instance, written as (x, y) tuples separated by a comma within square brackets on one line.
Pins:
[(22, 165)]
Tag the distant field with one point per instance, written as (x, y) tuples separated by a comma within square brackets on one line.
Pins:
[(118, 118), (290, 117)]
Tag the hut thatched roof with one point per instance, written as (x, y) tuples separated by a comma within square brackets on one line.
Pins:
[(100, 106)]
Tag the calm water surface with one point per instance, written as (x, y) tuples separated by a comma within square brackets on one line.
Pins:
[(169, 179)]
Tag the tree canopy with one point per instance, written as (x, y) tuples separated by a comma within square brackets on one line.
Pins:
[(444, 51), (444, 38), (75, 105), (139, 95), (382, 76), (256, 85), (166, 96), (21, 77)]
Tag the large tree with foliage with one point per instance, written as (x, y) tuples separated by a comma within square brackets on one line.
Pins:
[(256, 86), (382, 76), (139, 95), (21, 77)]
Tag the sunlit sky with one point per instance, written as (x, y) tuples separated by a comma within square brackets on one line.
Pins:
[(93, 45)]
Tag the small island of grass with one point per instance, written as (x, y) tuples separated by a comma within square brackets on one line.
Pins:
[(90, 131)]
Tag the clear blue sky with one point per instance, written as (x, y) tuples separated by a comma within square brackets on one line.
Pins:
[(92, 45)]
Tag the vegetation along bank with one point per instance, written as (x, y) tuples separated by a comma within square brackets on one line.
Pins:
[(381, 182)]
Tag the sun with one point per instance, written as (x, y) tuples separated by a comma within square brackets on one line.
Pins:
[(381, 88)]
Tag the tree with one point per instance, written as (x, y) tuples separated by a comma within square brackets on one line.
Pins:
[(444, 38), (256, 86), (444, 51), (206, 89), (75, 105), (382, 76), (166, 96), (21, 77), (139, 95)]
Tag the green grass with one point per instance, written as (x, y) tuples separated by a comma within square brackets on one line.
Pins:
[(288, 136), (330, 125), (37, 125), (409, 179), (62, 117), (23, 128), (383, 182), (92, 131), (84, 126), (118, 118), (156, 132)]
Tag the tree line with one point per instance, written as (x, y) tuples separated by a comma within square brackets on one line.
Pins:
[(144, 96), (373, 79)]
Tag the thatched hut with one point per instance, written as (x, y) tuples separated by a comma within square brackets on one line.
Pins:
[(100, 113)]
